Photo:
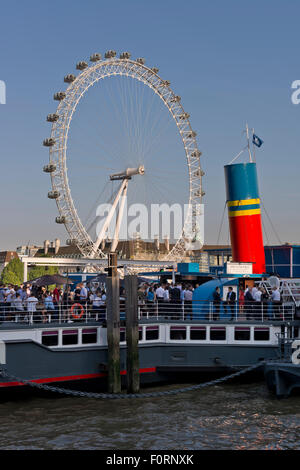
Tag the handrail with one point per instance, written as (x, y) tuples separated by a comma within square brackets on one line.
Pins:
[(194, 310)]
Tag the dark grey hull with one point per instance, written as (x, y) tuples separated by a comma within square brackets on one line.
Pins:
[(86, 367), (282, 378)]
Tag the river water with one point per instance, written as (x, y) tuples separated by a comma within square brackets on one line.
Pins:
[(227, 416)]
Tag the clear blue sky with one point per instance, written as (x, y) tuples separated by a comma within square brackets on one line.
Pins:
[(231, 62)]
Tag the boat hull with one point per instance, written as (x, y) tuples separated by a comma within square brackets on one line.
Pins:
[(282, 378), (86, 368)]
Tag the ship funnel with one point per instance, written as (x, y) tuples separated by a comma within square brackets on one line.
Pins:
[(244, 215)]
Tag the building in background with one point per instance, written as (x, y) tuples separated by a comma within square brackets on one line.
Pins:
[(27, 250), (283, 260)]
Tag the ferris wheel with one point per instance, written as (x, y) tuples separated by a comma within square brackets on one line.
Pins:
[(103, 70)]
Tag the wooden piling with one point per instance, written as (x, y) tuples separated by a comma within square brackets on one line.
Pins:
[(132, 334), (113, 325)]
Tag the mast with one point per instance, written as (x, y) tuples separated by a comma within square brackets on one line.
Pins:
[(248, 143)]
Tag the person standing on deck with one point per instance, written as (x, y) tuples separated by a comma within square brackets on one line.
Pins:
[(249, 303), (258, 303), (83, 294), (230, 299), (188, 304), (175, 301), (276, 300), (160, 298), (216, 303), (31, 305)]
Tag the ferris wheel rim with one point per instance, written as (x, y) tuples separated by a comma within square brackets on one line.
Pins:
[(60, 131)]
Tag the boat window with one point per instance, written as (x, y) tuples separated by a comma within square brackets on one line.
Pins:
[(89, 336), (242, 334), (261, 334), (122, 335), (152, 332), (197, 333), (69, 337), (178, 332), (217, 334), (50, 338)]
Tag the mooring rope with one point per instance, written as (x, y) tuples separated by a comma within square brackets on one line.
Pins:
[(115, 396)]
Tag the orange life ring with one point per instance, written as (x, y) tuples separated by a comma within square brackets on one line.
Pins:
[(74, 314)]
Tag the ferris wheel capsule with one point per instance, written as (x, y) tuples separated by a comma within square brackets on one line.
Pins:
[(50, 168), (53, 194), (81, 65), (192, 134), (141, 60), (175, 99), (155, 70), (52, 117), (166, 83), (48, 142), (184, 116), (196, 154), (60, 219), (110, 54), (199, 193), (71, 241), (69, 78), (95, 57), (60, 95), (125, 55), (199, 173)]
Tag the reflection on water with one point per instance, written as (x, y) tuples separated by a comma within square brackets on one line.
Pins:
[(236, 416)]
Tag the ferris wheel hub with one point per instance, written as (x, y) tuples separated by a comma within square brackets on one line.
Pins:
[(128, 173)]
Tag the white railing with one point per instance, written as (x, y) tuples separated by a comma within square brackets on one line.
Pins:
[(158, 310), (209, 311)]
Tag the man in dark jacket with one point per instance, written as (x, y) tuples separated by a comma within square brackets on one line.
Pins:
[(175, 307), (217, 303), (230, 300), (249, 304)]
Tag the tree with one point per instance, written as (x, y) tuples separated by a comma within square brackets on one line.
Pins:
[(38, 271), (13, 272)]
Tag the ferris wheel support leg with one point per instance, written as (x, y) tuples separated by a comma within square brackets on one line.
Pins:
[(119, 219), (108, 218)]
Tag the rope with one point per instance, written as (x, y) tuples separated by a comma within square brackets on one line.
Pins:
[(111, 396), (276, 234), (221, 225)]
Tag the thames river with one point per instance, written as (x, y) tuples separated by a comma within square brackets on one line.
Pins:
[(227, 416)]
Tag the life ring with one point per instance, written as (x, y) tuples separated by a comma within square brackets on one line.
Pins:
[(81, 311)]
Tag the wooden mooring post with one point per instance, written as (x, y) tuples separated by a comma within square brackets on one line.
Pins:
[(132, 334), (113, 325)]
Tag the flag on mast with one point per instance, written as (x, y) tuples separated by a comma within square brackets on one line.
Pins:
[(257, 141)]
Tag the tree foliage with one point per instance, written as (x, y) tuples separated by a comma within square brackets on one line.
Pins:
[(13, 272), (38, 271)]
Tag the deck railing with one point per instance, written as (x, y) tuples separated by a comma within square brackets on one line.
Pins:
[(158, 310)]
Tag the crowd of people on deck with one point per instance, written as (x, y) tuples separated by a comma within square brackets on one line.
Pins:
[(169, 300), (253, 303), (21, 302)]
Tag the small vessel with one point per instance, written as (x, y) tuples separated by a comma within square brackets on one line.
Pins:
[(283, 376), (181, 343)]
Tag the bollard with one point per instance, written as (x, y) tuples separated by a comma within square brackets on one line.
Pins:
[(113, 326), (132, 334)]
